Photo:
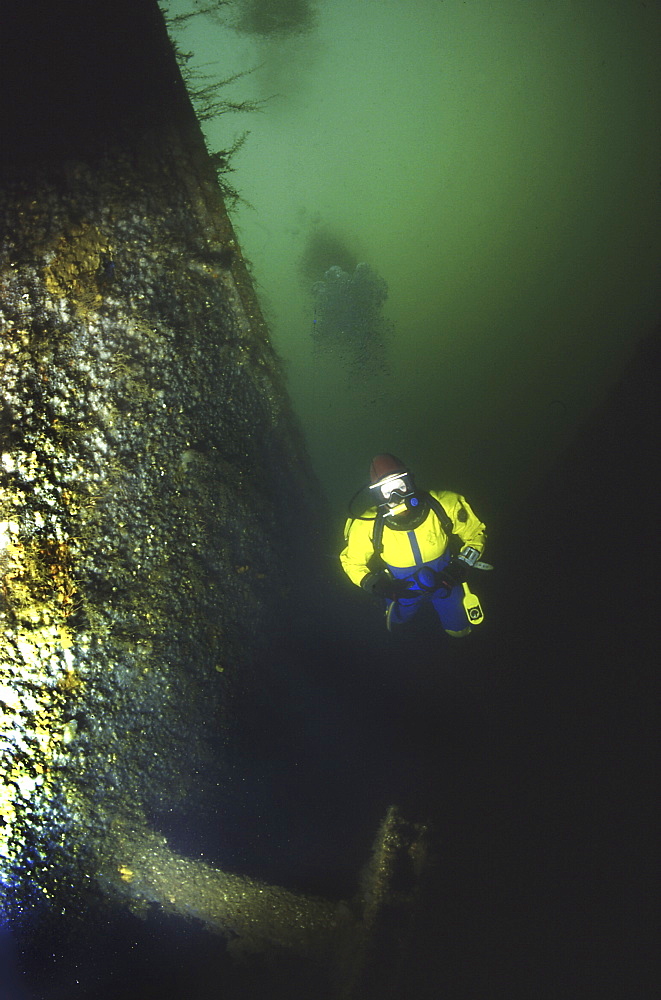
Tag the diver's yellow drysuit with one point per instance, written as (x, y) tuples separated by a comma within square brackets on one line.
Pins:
[(416, 555)]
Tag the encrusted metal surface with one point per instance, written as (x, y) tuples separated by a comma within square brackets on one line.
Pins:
[(151, 480), (144, 443)]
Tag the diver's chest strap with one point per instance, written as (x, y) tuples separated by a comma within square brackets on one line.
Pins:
[(415, 549)]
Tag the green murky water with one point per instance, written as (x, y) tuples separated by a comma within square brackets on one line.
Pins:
[(497, 165)]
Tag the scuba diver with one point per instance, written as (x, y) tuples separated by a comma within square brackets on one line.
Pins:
[(414, 546)]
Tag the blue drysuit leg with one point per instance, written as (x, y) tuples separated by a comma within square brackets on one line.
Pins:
[(448, 606), (450, 609)]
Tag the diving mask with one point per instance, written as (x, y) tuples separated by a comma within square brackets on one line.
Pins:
[(395, 494)]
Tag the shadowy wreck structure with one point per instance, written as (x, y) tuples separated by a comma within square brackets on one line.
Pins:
[(348, 317), (151, 474)]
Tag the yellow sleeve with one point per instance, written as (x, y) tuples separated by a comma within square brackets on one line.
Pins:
[(466, 523), (358, 549)]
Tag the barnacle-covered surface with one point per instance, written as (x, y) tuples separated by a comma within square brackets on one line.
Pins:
[(141, 447), (145, 443), (155, 503)]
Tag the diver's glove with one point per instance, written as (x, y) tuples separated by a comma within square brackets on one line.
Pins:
[(457, 570), (382, 584), (453, 574), (401, 588)]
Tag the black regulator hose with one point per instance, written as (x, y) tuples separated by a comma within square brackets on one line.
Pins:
[(357, 517)]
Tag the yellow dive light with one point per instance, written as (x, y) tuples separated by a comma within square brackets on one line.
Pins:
[(472, 606)]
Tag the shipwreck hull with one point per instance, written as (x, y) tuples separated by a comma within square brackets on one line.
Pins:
[(157, 530), (151, 469)]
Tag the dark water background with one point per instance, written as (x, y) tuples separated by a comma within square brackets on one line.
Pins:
[(517, 236), (529, 749)]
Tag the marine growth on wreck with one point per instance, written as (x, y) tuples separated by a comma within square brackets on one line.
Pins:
[(145, 437), (151, 471)]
